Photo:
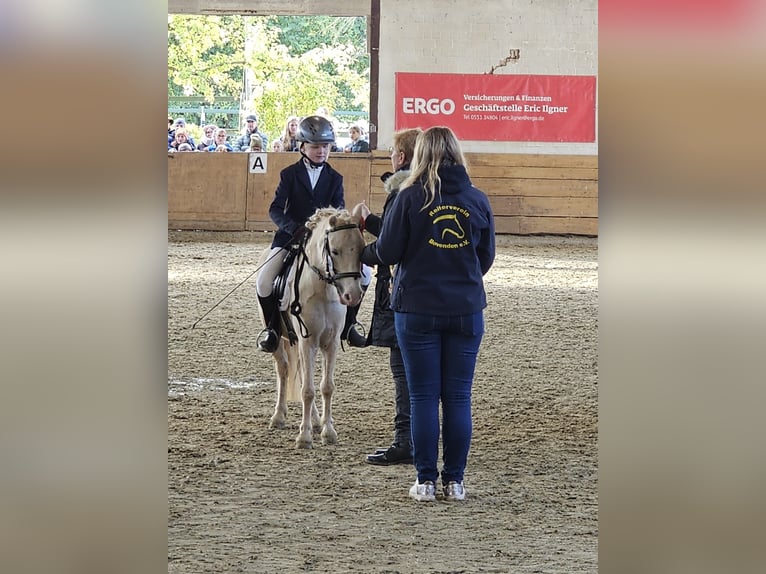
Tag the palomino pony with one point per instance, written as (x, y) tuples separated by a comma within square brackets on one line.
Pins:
[(328, 272)]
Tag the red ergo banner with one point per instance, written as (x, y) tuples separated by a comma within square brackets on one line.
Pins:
[(486, 107)]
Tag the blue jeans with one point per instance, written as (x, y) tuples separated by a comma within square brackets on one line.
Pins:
[(439, 359)]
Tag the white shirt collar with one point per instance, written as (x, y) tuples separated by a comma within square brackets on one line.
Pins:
[(314, 172)]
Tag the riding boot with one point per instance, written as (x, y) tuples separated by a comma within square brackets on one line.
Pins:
[(349, 333), (268, 339)]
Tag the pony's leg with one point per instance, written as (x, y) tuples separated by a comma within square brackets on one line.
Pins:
[(295, 383), (316, 421), (293, 373), (307, 351), (281, 366), (327, 387)]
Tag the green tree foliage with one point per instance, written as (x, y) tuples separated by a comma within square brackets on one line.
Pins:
[(206, 56), (295, 64), (301, 34)]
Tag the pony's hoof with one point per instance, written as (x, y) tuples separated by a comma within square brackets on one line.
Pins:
[(303, 444), (330, 438), (276, 424)]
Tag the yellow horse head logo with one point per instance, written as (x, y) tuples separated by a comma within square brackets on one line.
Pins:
[(459, 233)]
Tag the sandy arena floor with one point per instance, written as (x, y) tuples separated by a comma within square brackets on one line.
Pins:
[(243, 499)]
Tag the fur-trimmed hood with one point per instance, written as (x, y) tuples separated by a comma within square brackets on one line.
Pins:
[(395, 181)]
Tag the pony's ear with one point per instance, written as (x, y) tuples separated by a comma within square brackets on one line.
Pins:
[(333, 220)]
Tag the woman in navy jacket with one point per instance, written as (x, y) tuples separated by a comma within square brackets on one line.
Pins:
[(440, 233), (303, 188)]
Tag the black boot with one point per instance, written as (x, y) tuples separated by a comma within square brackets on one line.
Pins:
[(268, 339), (395, 454), (349, 332)]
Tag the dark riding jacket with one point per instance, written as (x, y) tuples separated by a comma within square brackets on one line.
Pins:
[(442, 251), (294, 200), (382, 332)]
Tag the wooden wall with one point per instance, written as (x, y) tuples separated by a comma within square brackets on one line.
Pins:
[(529, 194), (207, 191)]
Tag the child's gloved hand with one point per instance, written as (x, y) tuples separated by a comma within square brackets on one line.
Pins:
[(299, 233)]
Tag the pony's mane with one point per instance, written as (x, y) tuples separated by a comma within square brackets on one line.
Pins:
[(342, 217)]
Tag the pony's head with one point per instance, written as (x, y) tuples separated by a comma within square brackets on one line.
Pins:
[(335, 250)]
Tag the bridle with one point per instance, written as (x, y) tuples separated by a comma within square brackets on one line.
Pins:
[(329, 275)]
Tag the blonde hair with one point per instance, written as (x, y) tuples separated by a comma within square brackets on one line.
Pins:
[(286, 137), (404, 142), (434, 147)]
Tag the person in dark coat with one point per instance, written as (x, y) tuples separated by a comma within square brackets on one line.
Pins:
[(304, 187), (358, 143), (251, 129), (382, 327)]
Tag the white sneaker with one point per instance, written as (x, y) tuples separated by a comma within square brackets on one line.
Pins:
[(425, 492), (454, 491)]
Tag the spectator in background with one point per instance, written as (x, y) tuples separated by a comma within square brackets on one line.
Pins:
[(277, 145), (181, 136), (289, 135), (178, 123), (185, 147), (358, 143), (208, 137), (251, 127), (256, 143), (170, 127), (220, 142)]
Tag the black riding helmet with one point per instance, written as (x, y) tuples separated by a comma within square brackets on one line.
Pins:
[(315, 130)]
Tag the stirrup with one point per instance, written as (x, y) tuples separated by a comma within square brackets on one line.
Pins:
[(268, 340), (353, 338)]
